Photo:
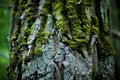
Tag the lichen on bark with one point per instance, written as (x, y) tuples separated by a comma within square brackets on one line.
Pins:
[(59, 40)]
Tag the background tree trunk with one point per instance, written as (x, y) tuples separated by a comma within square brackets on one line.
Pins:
[(60, 40)]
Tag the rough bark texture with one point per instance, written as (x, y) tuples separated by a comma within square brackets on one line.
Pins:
[(60, 40)]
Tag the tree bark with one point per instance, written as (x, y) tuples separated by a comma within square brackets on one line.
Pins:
[(60, 40)]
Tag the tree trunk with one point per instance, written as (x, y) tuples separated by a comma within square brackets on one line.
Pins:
[(60, 40)]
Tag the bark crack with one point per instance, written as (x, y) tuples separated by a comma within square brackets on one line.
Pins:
[(59, 65)]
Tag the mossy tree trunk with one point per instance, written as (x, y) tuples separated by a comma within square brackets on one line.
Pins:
[(60, 40)]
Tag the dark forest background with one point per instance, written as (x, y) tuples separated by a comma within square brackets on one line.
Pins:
[(4, 33)]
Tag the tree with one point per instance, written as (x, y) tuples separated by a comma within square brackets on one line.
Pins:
[(60, 40)]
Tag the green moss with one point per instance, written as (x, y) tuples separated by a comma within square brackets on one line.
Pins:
[(105, 30), (94, 30), (61, 22), (42, 39), (43, 35), (46, 8), (95, 26), (29, 15), (13, 60), (57, 6), (14, 37), (88, 2), (77, 44), (94, 20), (82, 11), (72, 1), (18, 41), (71, 24), (38, 50), (80, 34), (104, 44), (105, 47)]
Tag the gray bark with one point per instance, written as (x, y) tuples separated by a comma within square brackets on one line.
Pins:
[(60, 40)]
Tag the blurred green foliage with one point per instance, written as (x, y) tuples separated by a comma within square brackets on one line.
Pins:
[(4, 29)]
